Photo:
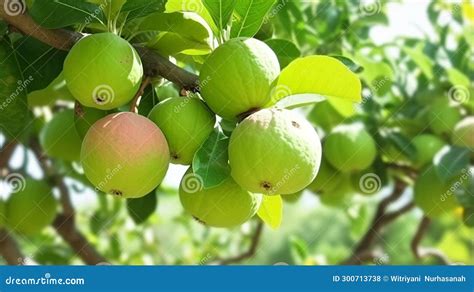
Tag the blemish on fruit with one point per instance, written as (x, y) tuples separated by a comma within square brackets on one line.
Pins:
[(117, 193), (266, 185), (199, 220), (295, 124)]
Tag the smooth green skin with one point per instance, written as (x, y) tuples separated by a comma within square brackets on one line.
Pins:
[(339, 195), (274, 152), (442, 117), (237, 77), (166, 91), (103, 61), (328, 178), (59, 137), (125, 154), (432, 195), (463, 134), (31, 210), (226, 205), (86, 119), (350, 148), (426, 146), (186, 124)]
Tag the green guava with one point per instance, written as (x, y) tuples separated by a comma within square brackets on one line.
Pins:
[(442, 117), (237, 77), (225, 205), (86, 117), (463, 134), (166, 91), (328, 178), (59, 137), (325, 116), (426, 146), (31, 209), (125, 154), (432, 195), (103, 71), (186, 123), (350, 147), (274, 152), (340, 195)]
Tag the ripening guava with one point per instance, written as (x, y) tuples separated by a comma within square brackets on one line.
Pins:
[(225, 205), (328, 178), (274, 152), (125, 154), (86, 118), (31, 209), (426, 146), (350, 147), (237, 77), (463, 134), (432, 195), (103, 71), (442, 117), (186, 123), (59, 137)]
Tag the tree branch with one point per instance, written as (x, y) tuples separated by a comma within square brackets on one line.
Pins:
[(153, 63), (250, 252), (9, 249), (6, 152), (423, 252)]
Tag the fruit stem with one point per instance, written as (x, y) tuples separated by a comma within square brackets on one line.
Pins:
[(136, 100)]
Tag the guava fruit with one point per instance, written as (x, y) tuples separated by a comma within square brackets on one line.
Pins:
[(432, 195), (340, 195), (86, 117), (274, 152), (225, 205), (59, 137), (103, 71), (237, 77), (125, 154), (350, 147), (442, 117), (463, 134), (426, 146), (31, 209), (186, 123), (325, 116), (328, 178)]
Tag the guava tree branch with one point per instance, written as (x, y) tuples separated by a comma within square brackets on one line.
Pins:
[(64, 223), (6, 152), (250, 252), (381, 219), (9, 249), (422, 252), (154, 64)]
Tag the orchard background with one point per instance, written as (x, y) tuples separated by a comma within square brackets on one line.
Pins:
[(415, 63)]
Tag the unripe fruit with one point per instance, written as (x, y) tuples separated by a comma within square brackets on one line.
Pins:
[(463, 134), (59, 137), (103, 71), (274, 152), (432, 195), (340, 195), (442, 117), (426, 148), (31, 209), (186, 124), (225, 205), (349, 148), (237, 77), (86, 118), (328, 178), (125, 154)]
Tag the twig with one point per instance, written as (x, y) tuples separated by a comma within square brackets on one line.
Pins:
[(250, 252), (136, 99), (9, 249), (153, 63), (423, 252), (6, 152)]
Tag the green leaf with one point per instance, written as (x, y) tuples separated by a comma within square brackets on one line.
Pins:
[(249, 16), (56, 90), (320, 75), (420, 59), (450, 161), (271, 211), (356, 68), (139, 8), (192, 6), (299, 100), (221, 11), (210, 162), (299, 249), (285, 50), (457, 78), (378, 75), (62, 13), (402, 143), (141, 209), (13, 106)]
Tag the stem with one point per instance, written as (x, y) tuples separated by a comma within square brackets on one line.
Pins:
[(423, 252), (6, 152), (136, 99), (9, 249)]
